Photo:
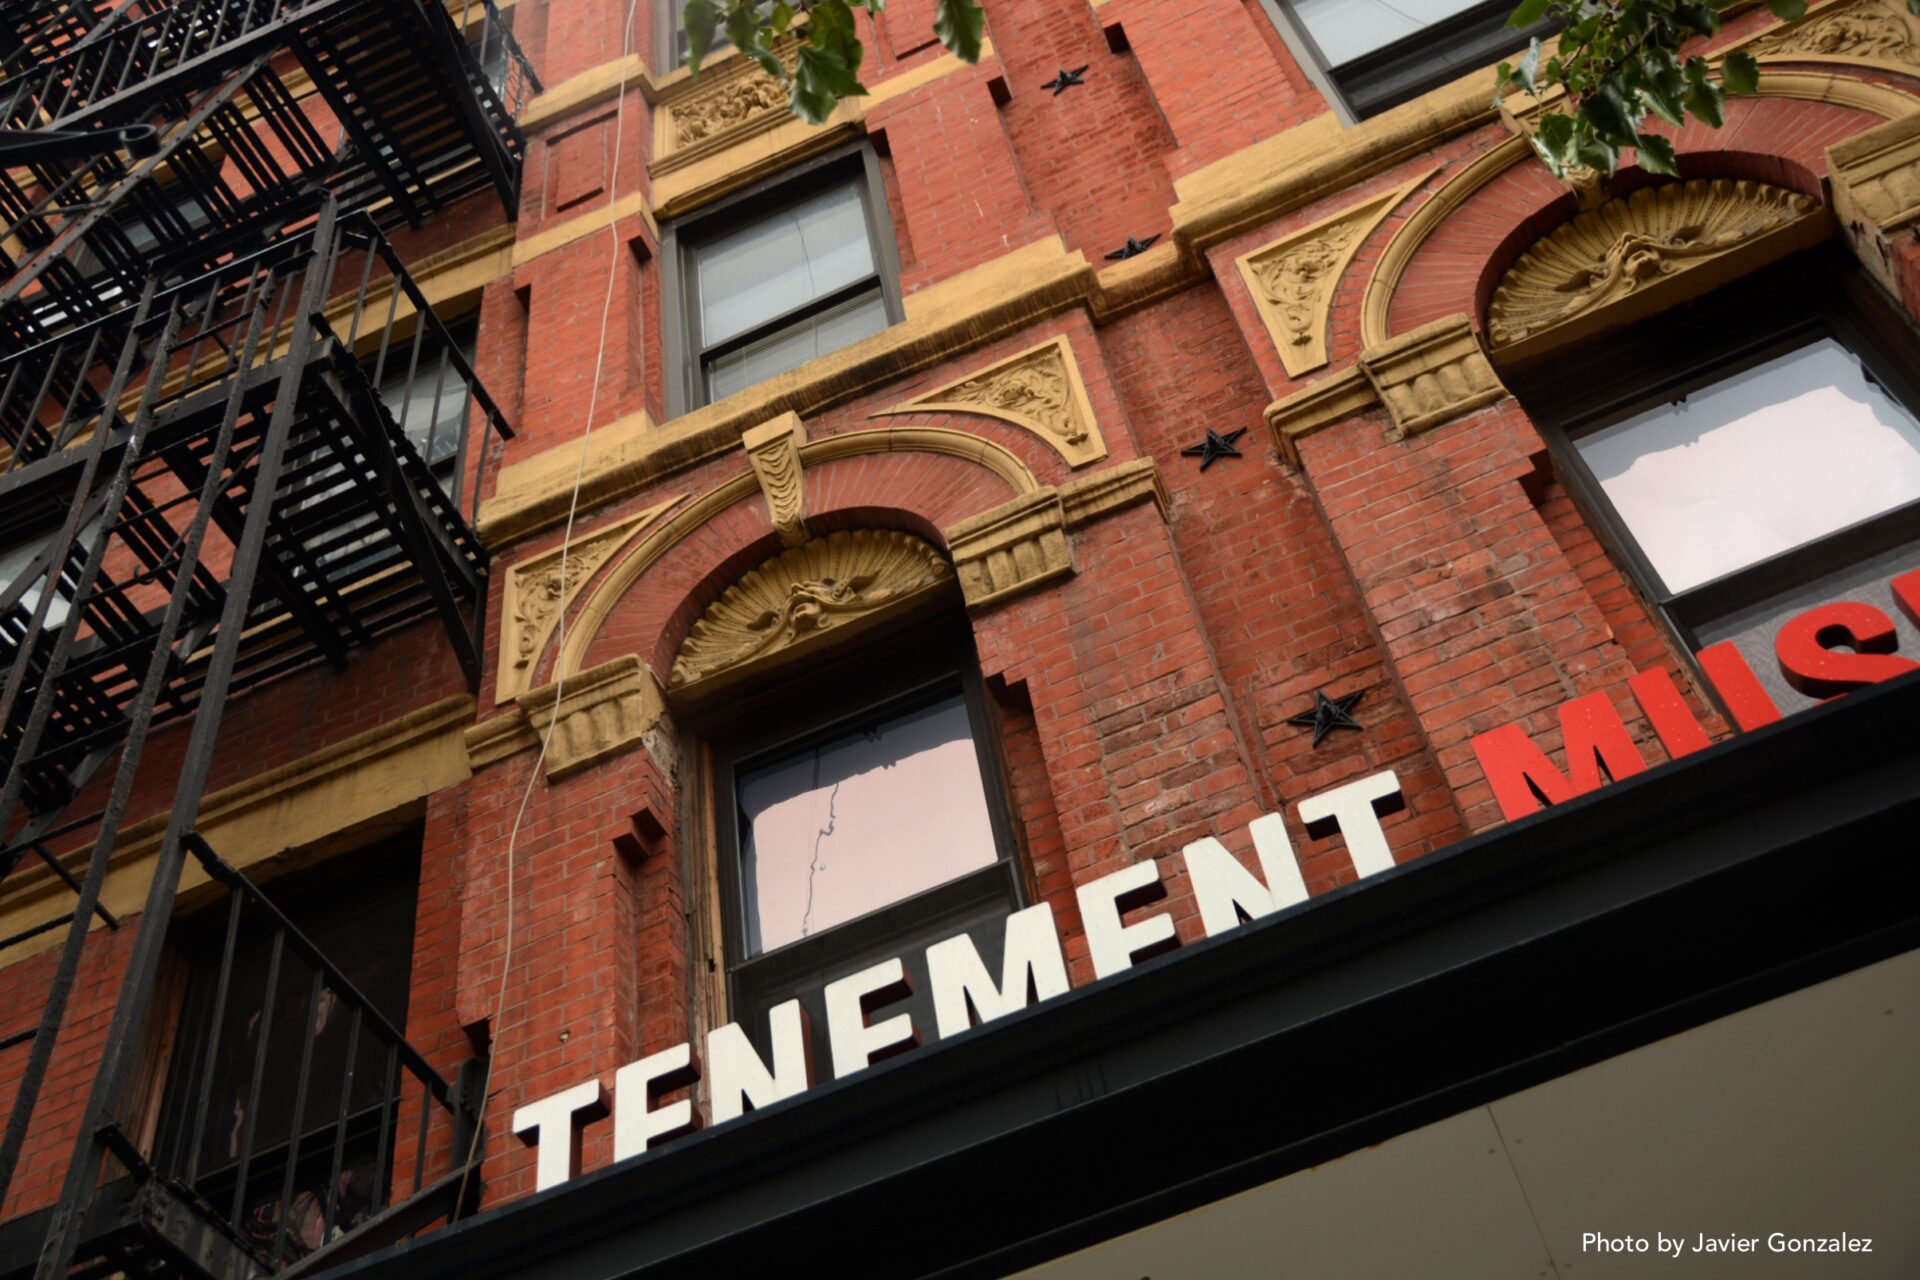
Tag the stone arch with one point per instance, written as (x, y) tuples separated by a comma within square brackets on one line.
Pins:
[(960, 470), (1631, 257), (803, 599), (1444, 259)]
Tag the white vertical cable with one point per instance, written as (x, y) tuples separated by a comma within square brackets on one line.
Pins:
[(560, 635)]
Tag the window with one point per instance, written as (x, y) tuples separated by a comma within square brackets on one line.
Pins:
[(869, 824), (273, 1066), (1369, 55), (1765, 459), (17, 557), (428, 397), (672, 36), (779, 275), (423, 388)]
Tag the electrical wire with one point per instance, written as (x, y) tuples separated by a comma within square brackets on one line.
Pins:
[(560, 634)]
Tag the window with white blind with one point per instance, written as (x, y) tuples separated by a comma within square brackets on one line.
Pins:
[(1750, 455), (783, 274)]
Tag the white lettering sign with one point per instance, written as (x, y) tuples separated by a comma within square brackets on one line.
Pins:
[(1033, 968)]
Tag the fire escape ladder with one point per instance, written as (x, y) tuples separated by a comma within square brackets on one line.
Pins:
[(236, 500)]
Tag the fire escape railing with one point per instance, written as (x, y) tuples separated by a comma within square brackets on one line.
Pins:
[(236, 501), (425, 105)]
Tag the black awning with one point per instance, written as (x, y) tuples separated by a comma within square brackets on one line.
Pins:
[(1760, 866)]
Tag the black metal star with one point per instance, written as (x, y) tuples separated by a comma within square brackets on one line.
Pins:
[(1066, 79), (1214, 446), (1329, 714), (1132, 248)]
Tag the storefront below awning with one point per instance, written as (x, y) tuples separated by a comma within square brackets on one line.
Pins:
[(1800, 1117)]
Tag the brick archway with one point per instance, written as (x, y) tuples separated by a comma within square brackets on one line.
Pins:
[(1447, 257)]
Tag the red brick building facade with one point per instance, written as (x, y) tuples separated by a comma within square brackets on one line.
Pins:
[(1120, 422)]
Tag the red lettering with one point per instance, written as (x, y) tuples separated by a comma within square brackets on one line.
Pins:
[(1812, 663), (1667, 712), (1599, 750), (1738, 687), (1906, 590)]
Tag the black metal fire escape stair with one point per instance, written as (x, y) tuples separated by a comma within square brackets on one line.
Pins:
[(255, 438)]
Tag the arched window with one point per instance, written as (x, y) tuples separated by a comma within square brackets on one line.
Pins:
[(1750, 454), (851, 758)]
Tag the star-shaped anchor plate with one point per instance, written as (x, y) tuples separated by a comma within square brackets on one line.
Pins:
[(1132, 248), (1329, 714), (1214, 446), (1064, 80)]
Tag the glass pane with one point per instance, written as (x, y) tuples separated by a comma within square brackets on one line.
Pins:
[(766, 269), (15, 559), (806, 339), (1765, 461), (433, 410), (860, 821), (1345, 29)]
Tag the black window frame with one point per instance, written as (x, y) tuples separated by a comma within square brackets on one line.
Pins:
[(923, 663), (384, 869), (686, 354), (1415, 64), (1817, 294)]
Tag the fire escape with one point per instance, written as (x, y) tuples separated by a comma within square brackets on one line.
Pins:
[(202, 327)]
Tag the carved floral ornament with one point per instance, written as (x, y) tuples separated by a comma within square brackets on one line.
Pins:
[(1039, 390), (728, 102), (1866, 29), (1292, 279), (803, 593), (1637, 244), (538, 587)]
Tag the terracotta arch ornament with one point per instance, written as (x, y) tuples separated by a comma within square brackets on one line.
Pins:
[(1641, 254), (1039, 390), (609, 709), (806, 598), (622, 576), (1376, 305)]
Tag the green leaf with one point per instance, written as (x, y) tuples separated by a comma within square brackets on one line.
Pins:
[(1529, 12), (781, 18), (1503, 81), (1697, 17), (1707, 101), (1529, 66), (1597, 153), (1664, 87), (701, 19), (1913, 7), (1656, 155), (1788, 10), (960, 24), (829, 64), (1740, 73), (1610, 114), (1553, 139), (743, 29)]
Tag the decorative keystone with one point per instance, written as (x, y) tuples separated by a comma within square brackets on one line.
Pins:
[(774, 449), (1011, 549), (1431, 375)]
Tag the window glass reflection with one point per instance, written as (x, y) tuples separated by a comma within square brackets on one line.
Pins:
[(1765, 461), (859, 821), (766, 269), (1346, 29)]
